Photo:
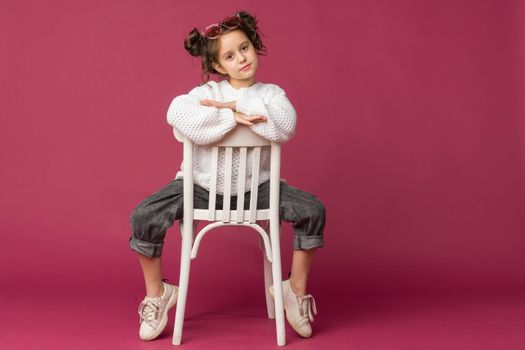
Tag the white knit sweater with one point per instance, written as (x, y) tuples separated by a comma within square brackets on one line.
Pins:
[(205, 125)]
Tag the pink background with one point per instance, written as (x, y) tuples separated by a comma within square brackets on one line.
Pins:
[(411, 131)]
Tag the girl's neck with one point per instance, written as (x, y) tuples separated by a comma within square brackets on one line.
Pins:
[(239, 84)]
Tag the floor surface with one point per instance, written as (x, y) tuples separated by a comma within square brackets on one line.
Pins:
[(375, 323)]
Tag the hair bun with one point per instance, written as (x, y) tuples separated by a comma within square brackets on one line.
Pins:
[(248, 19), (194, 43)]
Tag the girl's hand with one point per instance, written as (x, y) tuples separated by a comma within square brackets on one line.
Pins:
[(241, 118), (211, 103)]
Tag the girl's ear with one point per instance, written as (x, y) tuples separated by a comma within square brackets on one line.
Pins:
[(218, 68)]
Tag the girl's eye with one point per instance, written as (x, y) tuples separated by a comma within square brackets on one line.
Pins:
[(244, 48)]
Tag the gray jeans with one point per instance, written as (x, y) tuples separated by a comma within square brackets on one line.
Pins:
[(152, 217)]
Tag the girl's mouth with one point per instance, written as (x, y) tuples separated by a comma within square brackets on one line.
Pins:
[(246, 67)]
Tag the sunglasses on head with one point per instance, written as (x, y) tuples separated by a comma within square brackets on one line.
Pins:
[(213, 31)]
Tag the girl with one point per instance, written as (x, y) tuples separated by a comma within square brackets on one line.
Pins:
[(229, 49)]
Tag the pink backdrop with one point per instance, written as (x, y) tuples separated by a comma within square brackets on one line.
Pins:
[(411, 131)]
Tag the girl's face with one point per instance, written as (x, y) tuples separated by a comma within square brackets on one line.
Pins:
[(236, 51)]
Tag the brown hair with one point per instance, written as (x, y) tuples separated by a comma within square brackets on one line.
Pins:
[(208, 49)]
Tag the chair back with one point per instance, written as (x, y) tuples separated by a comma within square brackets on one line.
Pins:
[(244, 141)]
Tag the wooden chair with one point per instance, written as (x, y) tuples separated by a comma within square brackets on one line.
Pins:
[(244, 139)]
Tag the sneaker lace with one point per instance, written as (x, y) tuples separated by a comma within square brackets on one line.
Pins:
[(306, 306), (149, 311)]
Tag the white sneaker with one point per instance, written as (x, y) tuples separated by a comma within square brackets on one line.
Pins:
[(153, 312), (298, 309)]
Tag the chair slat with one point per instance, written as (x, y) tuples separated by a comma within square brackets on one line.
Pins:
[(241, 184), (213, 183), (255, 183), (227, 183)]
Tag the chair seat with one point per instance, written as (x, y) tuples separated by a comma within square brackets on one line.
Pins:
[(260, 214)]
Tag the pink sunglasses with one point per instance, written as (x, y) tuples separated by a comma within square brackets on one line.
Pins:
[(213, 31)]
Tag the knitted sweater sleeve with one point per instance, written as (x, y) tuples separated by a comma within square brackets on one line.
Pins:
[(201, 124), (281, 115)]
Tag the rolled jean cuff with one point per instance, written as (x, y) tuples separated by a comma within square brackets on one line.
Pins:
[(151, 250), (301, 242)]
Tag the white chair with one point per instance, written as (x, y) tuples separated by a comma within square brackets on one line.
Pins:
[(243, 138)]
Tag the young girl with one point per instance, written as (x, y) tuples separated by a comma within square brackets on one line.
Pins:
[(229, 49)]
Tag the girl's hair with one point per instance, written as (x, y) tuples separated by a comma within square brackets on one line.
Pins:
[(198, 45)]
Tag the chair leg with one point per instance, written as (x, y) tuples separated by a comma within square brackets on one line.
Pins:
[(187, 241), (270, 305), (277, 282)]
